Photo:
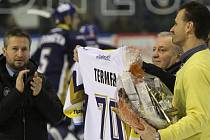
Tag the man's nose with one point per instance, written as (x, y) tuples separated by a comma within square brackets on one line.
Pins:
[(172, 29), (155, 54), (20, 52)]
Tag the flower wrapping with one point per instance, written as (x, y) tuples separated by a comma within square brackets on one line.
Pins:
[(143, 96)]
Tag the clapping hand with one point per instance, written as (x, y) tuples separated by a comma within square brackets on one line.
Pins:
[(36, 84), (20, 80)]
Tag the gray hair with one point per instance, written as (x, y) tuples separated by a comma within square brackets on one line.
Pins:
[(177, 48), (164, 34)]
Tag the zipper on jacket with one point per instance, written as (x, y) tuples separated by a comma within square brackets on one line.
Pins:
[(24, 125)]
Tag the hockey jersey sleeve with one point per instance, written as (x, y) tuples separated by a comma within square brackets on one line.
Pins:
[(73, 106)]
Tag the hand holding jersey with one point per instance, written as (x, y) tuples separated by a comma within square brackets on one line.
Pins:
[(76, 59)]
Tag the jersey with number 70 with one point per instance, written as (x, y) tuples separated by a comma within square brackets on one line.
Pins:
[(99, 70)]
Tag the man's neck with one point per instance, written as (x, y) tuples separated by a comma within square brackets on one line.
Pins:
[(192, 43)]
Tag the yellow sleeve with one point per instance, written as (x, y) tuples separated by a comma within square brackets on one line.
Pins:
[(192, 96)]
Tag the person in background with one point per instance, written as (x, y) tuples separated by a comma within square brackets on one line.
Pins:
[(165, 60), (59, 43), (191, 92), (55, 56), (165, 53), (89, 33), (27, 100)]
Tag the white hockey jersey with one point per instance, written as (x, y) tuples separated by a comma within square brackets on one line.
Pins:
[(99, 70)]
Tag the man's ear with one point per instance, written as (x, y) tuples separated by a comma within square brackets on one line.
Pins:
[(189, 26), (4, 51)]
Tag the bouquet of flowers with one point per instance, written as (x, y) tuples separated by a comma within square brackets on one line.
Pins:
[(143, 97)]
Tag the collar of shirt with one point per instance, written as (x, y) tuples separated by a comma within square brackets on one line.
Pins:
[(185, 56), (10, 70), (174, 68)]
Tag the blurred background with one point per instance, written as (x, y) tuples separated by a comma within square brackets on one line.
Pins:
[(121, 22)]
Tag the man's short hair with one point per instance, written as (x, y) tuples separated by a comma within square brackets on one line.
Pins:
[(200, 16), (16, 32)]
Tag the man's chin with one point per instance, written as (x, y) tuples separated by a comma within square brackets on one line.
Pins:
[(19, 67), (157, 64)]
